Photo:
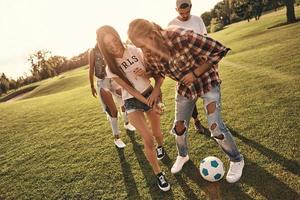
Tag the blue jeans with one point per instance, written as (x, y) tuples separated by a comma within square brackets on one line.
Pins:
[(183, 112)]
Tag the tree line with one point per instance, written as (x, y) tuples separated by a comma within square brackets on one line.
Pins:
[(231, 11), (43, 65)]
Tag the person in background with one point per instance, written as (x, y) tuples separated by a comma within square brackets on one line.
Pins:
[(195, 23), (109, 92)]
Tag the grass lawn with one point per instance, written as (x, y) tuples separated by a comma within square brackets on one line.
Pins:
[(57, 144)]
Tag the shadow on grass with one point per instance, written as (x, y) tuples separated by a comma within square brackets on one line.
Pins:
[(265, 183), (289, 165), (149, 176), (283, 24), (212, 190), (129, 181)]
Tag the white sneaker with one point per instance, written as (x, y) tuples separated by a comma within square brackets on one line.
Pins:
[(119, 143), (180, 161), (235, 171), (129, 127)]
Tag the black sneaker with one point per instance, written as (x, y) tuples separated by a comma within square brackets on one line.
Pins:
[(199, 127), (162, 182), (160, 152)]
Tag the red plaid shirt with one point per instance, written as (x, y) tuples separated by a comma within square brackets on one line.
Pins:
[(188, 50)]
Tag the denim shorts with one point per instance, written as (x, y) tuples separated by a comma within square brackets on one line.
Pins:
[(133, 104)]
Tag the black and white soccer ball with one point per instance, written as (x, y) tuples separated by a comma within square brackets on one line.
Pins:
[(212, 169)]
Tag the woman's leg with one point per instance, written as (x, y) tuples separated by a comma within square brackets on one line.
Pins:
[(138, 120), (154, 119), (111, 110)]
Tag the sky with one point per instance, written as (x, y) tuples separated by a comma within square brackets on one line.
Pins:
[(68, 27)]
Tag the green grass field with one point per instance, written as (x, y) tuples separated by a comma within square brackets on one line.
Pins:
[(57, 144)]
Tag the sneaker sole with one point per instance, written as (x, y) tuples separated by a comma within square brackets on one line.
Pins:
[(160, 158), (120, 147), (233, 181), (164, 189)]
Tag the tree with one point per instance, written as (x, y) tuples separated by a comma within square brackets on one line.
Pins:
[(4, 84), (257, 9), (220, 13), (56, 64), (20, 81), (12, 84), (290, 11), (40, 67), (206, 18)]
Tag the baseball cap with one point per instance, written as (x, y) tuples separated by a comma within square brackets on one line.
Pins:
[(180, 2)]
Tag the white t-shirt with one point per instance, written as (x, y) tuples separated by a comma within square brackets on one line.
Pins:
[(132, 59), (195, 23)]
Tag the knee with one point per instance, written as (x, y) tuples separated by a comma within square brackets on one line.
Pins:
[(214, 125), (216, 132), (112, 112), (211, 108), (158, 134), (180, 128), (148, 143)]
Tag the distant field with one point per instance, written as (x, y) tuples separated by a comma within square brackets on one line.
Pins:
[(57, 144)]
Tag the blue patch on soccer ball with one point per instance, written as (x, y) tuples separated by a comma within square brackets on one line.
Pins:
[(217, 176), (204, 172), (214, 163), (203, 161)]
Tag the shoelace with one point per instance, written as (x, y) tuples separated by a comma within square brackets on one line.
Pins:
[(162, 179)]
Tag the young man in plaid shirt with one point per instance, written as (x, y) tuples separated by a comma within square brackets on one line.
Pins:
[(190, 59)]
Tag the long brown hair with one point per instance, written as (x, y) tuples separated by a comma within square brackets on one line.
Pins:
[(108, 57), (141, 28)]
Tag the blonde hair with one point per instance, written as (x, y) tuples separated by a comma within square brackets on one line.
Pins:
[(141, 28)]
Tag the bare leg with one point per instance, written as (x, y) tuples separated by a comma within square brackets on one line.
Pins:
[(138, 120)]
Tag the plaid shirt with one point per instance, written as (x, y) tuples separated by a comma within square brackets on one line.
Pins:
[(188, 50)]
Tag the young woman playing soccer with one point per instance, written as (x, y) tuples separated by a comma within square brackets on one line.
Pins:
[(125, 62)]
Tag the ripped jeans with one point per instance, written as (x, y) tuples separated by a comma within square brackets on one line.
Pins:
[(183, 112)]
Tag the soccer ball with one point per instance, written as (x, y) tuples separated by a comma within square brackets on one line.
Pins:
[(211, 169)]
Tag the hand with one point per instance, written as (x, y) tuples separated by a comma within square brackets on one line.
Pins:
[(159, 108), (139, 71), (94, 92), (154, 97), (188, 78)]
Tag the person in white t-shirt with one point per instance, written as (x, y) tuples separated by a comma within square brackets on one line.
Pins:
[(195, 23), (124, 66)]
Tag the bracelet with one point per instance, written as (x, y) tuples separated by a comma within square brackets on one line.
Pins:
[(195, 75)]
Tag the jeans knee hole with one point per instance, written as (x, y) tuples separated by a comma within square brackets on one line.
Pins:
[(211, 107), (179, 128), (216, 132)]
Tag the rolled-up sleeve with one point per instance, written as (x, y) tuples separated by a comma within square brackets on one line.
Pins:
[(207, 48)]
